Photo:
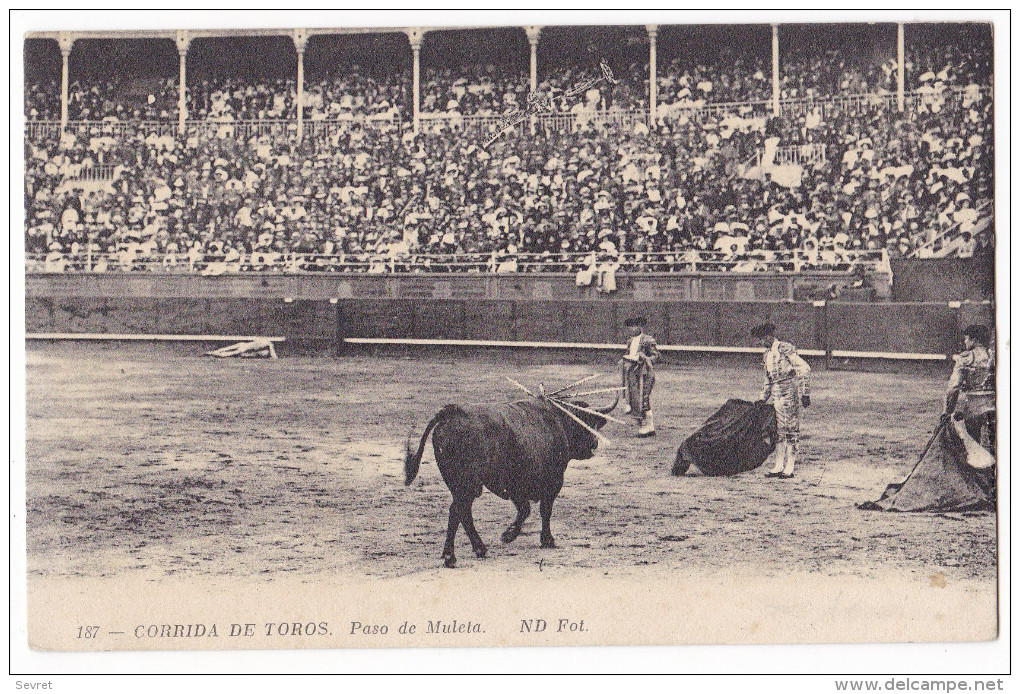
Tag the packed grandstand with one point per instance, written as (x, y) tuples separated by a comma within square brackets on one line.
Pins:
[(830, 164)]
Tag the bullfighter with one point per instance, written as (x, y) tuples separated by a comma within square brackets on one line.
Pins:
[(973, 379), (638, 374), (788, 381)]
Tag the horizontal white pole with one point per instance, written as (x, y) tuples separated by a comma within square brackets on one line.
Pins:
[(482, 343), (888, 355), (476, 343), (558, 345), (121, 336), (733, 350)]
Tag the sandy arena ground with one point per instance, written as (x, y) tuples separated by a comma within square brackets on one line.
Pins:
[(152, 464)]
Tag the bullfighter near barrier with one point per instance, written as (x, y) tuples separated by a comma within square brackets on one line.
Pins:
[(638, 370), (716, 288)]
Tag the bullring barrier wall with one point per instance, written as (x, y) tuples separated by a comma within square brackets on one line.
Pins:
[(913, 280), (904, 328), (301, 320), (544, 286), (672, 322), (943, 279)]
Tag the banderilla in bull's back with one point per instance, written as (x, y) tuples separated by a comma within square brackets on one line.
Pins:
[(519, 451)]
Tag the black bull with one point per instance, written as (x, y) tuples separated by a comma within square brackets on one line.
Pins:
[(519, 451)]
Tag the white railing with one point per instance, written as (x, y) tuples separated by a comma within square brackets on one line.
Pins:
[(242, 130), (559, 122), (98, 172), (37, 130), (475, 122), (800, 155), (105, 128), (479, 263), (837, 103), (693, 109), (802, 105), (328, 128), (41, 130)]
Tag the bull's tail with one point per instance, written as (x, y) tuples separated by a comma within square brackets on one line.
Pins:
[(412, 461)]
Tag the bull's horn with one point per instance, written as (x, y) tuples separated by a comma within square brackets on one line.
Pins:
[(609, 409)]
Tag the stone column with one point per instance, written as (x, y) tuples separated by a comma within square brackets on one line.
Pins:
[(300, 42), (183, 42), (900, 62), (415, 36), (775, 69), (653, 86), (533, 33), (65, 41)]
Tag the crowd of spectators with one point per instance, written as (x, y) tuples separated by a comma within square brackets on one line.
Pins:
[(888, 181), (347, 91), (42, 100), (339, 94), (115, 98), (697, 190)]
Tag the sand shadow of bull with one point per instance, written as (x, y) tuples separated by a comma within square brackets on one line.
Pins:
[(519, 451)]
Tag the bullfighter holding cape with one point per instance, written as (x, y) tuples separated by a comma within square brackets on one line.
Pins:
[(638, 374), (972, 384), (956, 470), (788, 382)]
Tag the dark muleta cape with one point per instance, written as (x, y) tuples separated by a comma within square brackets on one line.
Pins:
[(737, 438), (941, 481)]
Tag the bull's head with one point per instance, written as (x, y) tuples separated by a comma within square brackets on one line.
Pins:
[(582, 442)]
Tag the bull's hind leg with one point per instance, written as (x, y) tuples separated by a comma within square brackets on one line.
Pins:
[(468, 519), (449, 559), (545, 508), (514, 529)]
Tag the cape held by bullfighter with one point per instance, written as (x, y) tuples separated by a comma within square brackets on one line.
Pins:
[(518, 450)]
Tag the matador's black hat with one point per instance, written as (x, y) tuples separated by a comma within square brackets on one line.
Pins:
[(764, 330), (637, 321), (979, 332)]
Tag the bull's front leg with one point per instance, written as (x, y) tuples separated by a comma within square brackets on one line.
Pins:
[(545, 508), (514, 529), (451, 533)]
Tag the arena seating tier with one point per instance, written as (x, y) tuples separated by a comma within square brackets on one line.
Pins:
[(694, 189)]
